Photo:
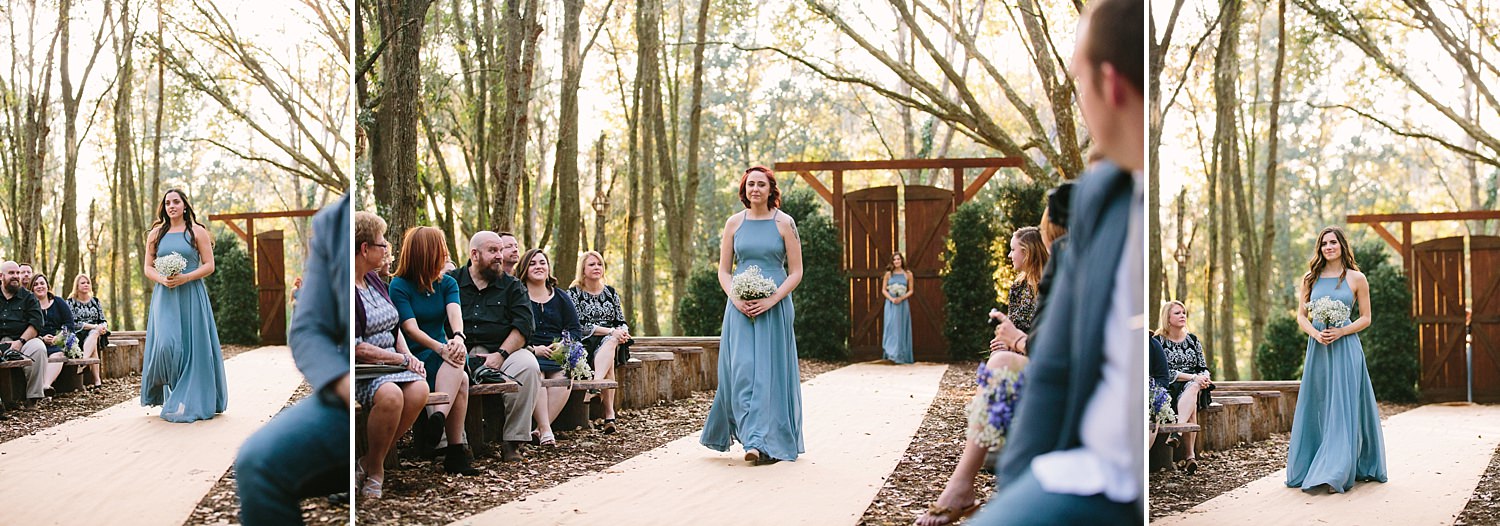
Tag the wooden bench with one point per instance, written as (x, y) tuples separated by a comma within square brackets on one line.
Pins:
[(647, 379), (122, 357), (1268, 412), (13, 380), (709, 368), (1162, 457), (485, 420), (362, 431), (1288, 389), (72, 380), (1226, 423), (689, 368)]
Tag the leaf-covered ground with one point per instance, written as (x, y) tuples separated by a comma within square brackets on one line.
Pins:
[(923, 471), (418, 492)]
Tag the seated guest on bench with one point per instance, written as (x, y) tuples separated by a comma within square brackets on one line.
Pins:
[(395, 400), (20, 320), (497, 314), (304, 450), (88, 316), (554, 315), (56, 317), (1187, 370), (428, 303), (602, 319)]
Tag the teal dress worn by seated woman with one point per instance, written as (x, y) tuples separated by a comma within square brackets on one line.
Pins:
[(1336, 436), (759, 401), (183, 367), (897, 339)]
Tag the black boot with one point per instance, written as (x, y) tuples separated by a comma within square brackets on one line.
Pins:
[(456, 460), (431, 434)]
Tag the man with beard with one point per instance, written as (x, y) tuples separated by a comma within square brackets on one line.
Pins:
[(20, 315), (510, 254), (497, 317)]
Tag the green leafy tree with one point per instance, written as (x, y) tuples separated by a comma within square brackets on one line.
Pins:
[(822, 299), (701, 310), (968, 279), (1019, 204), (231, 291), (1280, 356), (1391, 340)]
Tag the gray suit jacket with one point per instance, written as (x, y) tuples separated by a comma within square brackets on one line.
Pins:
[(319, 335), (1067, 346)]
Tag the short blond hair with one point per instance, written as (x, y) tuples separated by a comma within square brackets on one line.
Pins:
[(583, 259)]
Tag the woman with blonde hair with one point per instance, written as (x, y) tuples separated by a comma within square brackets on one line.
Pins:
[(1187, 369), (602, 318), (93, 329)]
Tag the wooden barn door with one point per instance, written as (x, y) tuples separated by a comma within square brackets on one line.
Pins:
[(1484, 266), (869, 238), (927, 211), (1438, 309), (270, 279)]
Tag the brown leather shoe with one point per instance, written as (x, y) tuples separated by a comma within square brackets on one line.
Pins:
[(510, 451)]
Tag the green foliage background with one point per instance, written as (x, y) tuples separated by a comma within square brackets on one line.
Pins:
[(969, 279), (231, 291)]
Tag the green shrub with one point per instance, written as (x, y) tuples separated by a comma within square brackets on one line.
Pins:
[(1280, 356), (968, 279), (1391, 340), (822, 299), (701, 309), (1018, 204), (231, 291)]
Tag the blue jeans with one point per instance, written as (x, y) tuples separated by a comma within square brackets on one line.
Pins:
[(1025, 502), (303, 452)]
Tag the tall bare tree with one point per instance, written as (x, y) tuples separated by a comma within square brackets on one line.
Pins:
[(393, 138), (1225, 179), (520, 31), (70, 100)]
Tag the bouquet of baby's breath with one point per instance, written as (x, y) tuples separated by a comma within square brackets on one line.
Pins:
[(170, 264), (994, 405), (896, 289), (573, 358), (752, 285), (69, 343), (1330, 312), (1160, 404)]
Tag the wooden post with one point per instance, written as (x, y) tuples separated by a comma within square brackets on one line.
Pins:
[(838, 210), (958, 187)]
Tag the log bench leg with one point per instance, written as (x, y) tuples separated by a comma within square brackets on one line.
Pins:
[(574, 415), (474, 426)]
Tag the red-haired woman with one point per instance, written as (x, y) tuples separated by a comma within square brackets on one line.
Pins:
[(759, 400), (427, 302)]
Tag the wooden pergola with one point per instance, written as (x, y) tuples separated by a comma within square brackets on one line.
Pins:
[(806, 169), (270, 268)]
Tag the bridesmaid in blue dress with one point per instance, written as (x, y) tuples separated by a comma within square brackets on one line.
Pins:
[(1336, 438), (759, 400), (897, 339), (183, 367)]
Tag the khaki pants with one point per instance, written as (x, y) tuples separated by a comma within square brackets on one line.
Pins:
[(521, 366), (36, 373)]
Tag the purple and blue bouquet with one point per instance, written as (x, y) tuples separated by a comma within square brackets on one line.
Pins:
[(994, 407), (1160, 404), (573, 358), (65, 340)]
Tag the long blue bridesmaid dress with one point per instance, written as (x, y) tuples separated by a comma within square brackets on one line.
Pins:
[(897, 338), (1336, 436), (183, 367), (759, 400)]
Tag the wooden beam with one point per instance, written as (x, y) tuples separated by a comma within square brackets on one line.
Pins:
[(903, 164), (1435, 216), (838, 211), (262, 215), (1389, 238), (236, 228), (984, 177), (958, 187), (816, 185)]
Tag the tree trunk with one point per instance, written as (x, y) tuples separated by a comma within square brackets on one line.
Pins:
[(680, 225), (125, 242), (570, 218), (601, 214), (647, 36), (1226, 155), (520, 31), (1260, 276), (393, 141)]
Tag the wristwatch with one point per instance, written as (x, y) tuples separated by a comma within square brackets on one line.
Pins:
[(460, 334), (504, 353), (405, 360)]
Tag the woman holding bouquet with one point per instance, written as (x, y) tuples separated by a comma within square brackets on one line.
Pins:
[(183, 367), (1336, 438), (56, 317), (555, 317), (759, 400), (896, 286)]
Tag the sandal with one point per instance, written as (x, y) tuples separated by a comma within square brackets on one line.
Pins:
[(1173, 440), (608, 427), (950, 515), (547, 439), (1190, 465), (371, 488)]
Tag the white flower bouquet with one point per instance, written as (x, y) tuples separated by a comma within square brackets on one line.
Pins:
[(171, 264), (752, 285), (69, 343), (1330, 312), (1159, 403), (896, 290)]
